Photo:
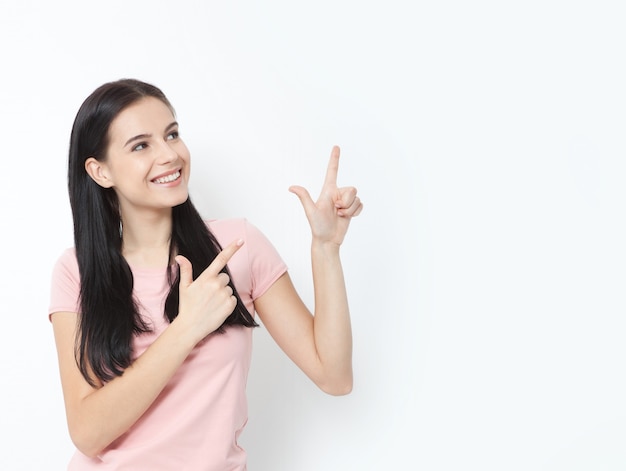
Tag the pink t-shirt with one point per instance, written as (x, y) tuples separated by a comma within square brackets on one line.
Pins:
[(195, 422)]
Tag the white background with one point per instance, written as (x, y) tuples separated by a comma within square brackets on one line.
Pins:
[(486, 274)]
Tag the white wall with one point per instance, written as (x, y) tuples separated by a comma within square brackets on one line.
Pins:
[(486, 274)]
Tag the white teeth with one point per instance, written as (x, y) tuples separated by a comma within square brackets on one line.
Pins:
[(168, 178)]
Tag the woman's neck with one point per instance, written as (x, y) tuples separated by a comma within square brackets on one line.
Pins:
[(146, 240)]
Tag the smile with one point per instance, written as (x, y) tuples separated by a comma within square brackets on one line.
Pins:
[(168, 178)]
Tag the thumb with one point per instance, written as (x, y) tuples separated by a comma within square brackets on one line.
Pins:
[(186, 271), (304, 197)]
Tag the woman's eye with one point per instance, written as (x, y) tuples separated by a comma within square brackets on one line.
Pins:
[(173, 135), (140, 146)]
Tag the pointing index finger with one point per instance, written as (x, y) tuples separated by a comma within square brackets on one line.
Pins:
[(223, 258), (333, 167)]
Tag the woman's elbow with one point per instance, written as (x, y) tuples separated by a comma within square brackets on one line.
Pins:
[(340, 387), (339, 391), (86, 442)]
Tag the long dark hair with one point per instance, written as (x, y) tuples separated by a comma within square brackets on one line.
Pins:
[(109, 315)]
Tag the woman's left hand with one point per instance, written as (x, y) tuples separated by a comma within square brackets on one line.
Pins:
[(329, 216)]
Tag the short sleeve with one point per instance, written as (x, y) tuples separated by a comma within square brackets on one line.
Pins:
[(266, 264), (65, 284)]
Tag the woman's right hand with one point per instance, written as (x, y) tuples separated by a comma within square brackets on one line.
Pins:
[(204, 303)]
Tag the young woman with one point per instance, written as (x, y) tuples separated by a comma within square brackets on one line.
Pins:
[(153, 308)]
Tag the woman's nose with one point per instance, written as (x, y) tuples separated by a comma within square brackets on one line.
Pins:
[(166, 153)]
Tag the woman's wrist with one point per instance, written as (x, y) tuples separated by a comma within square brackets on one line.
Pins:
[(183, 334), (324, 247)]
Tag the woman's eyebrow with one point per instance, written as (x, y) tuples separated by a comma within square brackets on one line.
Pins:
[(173, 124), (137, 137)]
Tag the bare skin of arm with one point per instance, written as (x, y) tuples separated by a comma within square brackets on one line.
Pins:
[(320, 344)]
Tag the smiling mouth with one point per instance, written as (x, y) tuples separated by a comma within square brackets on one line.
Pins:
[(168, 178)]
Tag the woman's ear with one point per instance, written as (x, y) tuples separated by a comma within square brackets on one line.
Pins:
[(97, 171)]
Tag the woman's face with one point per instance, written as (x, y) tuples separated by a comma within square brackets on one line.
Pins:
[(147, 163)]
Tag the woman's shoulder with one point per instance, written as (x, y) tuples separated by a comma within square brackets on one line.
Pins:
[(229, 229), (258, 259), (224, 224), (67, 258), (65, 283), (66, 265)]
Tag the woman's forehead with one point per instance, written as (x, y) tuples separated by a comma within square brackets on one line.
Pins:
[(148, 115)]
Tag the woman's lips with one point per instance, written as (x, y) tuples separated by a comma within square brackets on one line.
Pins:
[(167, 178)]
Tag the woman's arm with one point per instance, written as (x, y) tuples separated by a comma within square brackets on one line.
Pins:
[(320, 344), (97, 416)]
